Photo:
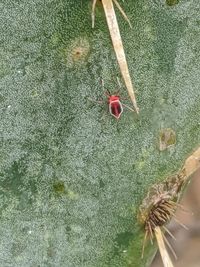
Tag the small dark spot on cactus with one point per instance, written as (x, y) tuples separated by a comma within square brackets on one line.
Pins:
[(172, 2), (77, 52), (68, 229), (101, 183), (51, 252), (59, 187), (167, 138)]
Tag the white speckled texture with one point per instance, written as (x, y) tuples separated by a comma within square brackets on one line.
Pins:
[(71, 176)]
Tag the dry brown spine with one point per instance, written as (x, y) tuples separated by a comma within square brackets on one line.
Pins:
[(117, 43), (160, 205), (161, 245)]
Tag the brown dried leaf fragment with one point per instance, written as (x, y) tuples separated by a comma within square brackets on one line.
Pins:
[(156, 210), (167, 138), (122, 12), (161, 245), (117, 43), (192, 163), (160, 204)]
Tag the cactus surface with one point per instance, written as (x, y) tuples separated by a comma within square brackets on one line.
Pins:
[(72, 177)]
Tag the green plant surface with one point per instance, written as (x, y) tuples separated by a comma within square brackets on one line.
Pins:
[(72, 177)]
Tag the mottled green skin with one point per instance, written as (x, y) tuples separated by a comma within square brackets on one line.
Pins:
[(172, 2), (72, 177)]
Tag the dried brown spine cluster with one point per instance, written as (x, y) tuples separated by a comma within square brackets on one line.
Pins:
[(160, 214), (156, 211)]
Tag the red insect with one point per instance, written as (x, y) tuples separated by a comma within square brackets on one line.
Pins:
[(115, 106), (114, 103)]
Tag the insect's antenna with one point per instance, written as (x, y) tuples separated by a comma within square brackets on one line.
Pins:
[(93, 12), (122, 12), (102, 83), (106, 92), (161, 245), (128, 107), (119, 84), (118, 81)]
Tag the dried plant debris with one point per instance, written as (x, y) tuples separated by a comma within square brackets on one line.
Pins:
[(161, 244), (192, 163), (167, 138), (118, 6), (156, 211), (160, 205), (117, 43)]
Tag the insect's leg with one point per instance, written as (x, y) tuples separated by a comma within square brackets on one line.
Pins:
[(119, 84), (93, 12), (120, 87), (102, 83), (118, 81), (103, 116), (128, 107), (96, 101), (106, 92), (122, 12)]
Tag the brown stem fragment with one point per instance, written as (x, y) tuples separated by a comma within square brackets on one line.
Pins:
[(160, 204), (117, 43), (163, 251)]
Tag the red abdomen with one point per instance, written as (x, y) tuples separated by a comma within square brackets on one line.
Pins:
[(115, 106)]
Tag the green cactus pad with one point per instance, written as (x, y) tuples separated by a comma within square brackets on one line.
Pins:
[(72, 177)]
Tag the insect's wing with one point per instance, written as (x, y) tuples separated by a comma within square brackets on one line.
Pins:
[(115, 109)]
